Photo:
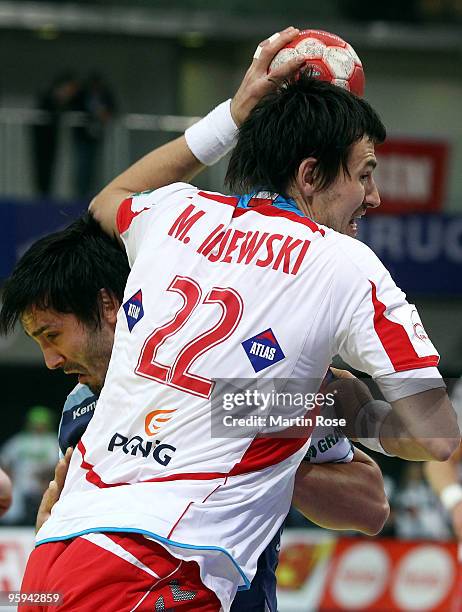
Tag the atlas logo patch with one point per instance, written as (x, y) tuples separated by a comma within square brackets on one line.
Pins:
[(134, 309), (263, 350)]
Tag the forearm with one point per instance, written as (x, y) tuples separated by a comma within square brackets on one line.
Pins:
[(421, 427), (411, 449), (342, 495), (169, 163), (172, 162), (208, 140)]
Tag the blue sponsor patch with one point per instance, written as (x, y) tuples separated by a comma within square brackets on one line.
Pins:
[(134, 309), (263, 350), (75, 420)]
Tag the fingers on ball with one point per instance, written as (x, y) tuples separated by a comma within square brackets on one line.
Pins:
[(273, 38)]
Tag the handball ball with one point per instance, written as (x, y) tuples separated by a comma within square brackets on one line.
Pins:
[(332, 59)]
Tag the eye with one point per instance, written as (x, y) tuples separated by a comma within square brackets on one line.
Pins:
[(51, 335), (364, 178)]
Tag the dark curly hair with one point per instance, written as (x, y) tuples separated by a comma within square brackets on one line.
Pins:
[(304, 118), (65, 271)]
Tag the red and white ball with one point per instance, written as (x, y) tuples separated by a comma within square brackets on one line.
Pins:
[(333, 59)]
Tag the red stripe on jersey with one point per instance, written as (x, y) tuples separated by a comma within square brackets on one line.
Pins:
[(91, 475), (145, 550), (218, 197), (264, 452), (395, 340), (254, 202), (181, 516), (274, 211), (125, 215), (261, 453)]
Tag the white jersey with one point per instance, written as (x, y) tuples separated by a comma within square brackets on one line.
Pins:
[(222, 288)]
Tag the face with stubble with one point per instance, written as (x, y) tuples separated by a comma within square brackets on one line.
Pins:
[(341, 205), (72, 345)]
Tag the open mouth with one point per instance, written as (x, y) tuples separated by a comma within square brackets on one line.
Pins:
[(353, 227), (79, 375), (353, 223)]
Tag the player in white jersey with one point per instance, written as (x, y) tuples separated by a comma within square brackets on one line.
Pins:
[(357, 488), (253, 284)]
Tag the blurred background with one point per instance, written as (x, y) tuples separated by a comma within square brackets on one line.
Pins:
[(88, 87)]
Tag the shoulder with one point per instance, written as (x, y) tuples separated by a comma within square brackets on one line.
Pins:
[(353, 254), (143, 206), (358, 273), (146, 199)]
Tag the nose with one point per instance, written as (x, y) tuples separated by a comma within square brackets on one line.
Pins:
[(53, 359), (372, 199)]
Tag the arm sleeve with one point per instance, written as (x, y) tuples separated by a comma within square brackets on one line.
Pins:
[(137, 214), (376, 330), (78, 411)]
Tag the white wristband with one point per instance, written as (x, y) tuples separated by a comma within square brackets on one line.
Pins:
[(368, 424), (214, 135), (451, 495)]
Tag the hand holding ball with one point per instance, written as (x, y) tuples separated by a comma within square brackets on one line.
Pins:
[(332, 59)]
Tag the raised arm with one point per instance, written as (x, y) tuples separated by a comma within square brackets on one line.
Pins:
[(179, 160)]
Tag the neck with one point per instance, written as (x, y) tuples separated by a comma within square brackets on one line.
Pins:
[(303, 204)]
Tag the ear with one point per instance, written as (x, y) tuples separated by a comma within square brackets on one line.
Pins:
[(109, 306), (305, 176)]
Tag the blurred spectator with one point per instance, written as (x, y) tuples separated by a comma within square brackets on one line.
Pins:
[(96, 101), (29, 457), (418, 513), (56, 100), (445, 478)]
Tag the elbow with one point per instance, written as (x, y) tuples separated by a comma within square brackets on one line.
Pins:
[(376, 518), (378, 509), (94, 208), (98, 211), (376, 503), (100, 203), (440, 449)]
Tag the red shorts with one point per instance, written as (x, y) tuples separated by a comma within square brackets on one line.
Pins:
[(114, 573)]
